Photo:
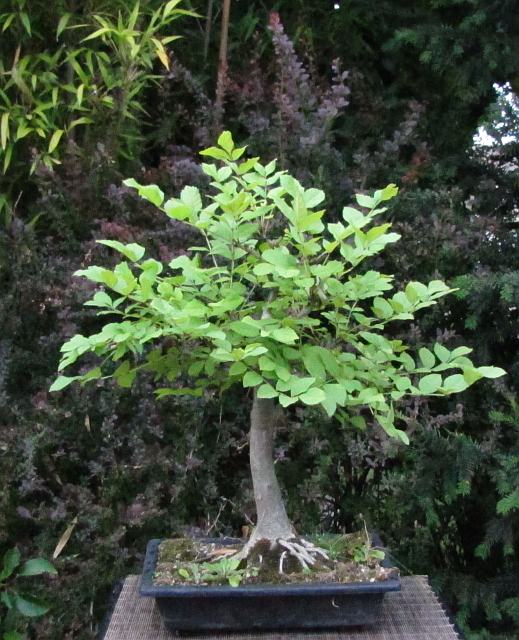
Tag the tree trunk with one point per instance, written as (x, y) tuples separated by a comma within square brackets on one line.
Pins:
[(221, 80), (208, 25), (272, 519)]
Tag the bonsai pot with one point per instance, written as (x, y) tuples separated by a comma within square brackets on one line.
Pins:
[(188, 609)]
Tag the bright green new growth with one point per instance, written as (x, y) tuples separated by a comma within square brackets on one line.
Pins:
[(274, 299)]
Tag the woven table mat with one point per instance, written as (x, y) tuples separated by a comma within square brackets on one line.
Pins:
[(411, 614)]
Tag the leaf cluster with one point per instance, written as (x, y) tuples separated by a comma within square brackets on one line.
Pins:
[(223, 570), (273, 299), (15, 601), (98, 67)]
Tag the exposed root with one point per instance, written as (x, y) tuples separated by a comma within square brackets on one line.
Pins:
[(285, 554), (305, 552), (281, 558)]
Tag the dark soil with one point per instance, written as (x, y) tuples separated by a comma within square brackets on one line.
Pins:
[(185, 561)]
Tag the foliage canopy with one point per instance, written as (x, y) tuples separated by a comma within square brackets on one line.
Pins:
[(278, 305)]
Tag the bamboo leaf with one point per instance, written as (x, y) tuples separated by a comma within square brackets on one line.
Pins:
[(26, 22), (54, 141), (4, 129), (64, 539), (62, 24), (97, 34)]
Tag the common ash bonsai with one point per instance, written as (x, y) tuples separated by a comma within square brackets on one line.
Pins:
[(274, 299)]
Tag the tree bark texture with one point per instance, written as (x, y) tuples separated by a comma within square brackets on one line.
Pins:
[(272, 517)]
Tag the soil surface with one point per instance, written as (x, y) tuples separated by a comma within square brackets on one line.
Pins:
[(350, 558)]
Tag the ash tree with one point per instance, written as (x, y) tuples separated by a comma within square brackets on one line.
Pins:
[(274, 299)]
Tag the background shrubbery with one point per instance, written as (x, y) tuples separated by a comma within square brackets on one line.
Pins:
[(419, 81)]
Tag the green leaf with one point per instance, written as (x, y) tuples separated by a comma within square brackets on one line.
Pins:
[(4, 129), (10, 562), (313, 197), (170, 6), (54, 141), (177, 210), (284, 335), (427, 358), (460, 351), (263, 269), (150, 192), (313, 396), (298, 386), (238, 152), (354, 217), (286, 401), (336, 392), (133, 251), (100, 299), (416, 291), (244, 167), (401, 435), (6, 598), (386, 194), (430, 383), (96, 34), (365, 201), (244, 329), (93, 374), (62, 24), (455, 384), (234, 581), (214, 152), (37, 566), (226, 142), (403, 383), (284, 262), (180, 391), (472, 375), (358, 422), (61, 382), (190, 196), (29, 606), (491, 372), (237, 369), (252, 379), (407, 361), (98, 274), (266, 364), (443, 354), (124, 375), (382, 308), (267, 391), (313, 362), (26, 21)]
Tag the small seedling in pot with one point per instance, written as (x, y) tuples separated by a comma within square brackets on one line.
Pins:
[(224, 570)]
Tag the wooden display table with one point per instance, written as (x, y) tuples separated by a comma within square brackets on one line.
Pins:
[(411, 614)]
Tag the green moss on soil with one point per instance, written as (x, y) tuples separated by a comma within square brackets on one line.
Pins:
[(181, 559)]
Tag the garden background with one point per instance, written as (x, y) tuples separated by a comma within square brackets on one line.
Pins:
[(349, 96)]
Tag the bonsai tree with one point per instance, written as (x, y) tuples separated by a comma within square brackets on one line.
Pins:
[(274, 299)]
